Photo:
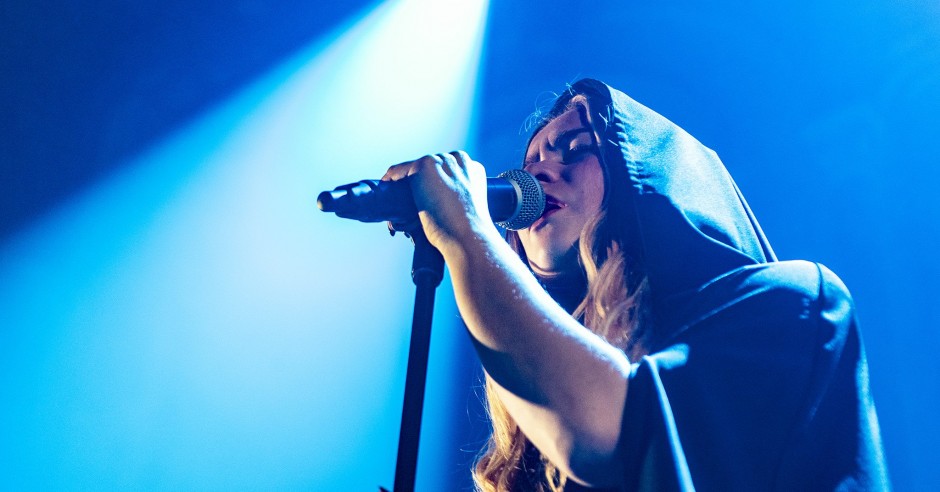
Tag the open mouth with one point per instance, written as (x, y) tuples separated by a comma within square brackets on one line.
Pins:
[(552, 205)]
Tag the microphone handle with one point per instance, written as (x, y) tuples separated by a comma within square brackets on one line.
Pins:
[(372, 200)]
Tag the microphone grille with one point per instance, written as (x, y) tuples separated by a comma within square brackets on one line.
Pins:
[(531, 200)]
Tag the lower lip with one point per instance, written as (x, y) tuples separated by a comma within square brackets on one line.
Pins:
[(541, 220)]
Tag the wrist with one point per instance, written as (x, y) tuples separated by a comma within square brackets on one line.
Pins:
[(481, 241)]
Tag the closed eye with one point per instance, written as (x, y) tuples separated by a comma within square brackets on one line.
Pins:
[(579, 152)]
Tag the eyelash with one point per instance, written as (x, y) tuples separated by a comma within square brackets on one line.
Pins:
[(571, 155), (577, 152)]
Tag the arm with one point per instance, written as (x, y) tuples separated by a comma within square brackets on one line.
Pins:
[(564, 386)]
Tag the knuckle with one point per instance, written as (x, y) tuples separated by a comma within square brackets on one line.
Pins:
[(446, 158), (396, 171), (427, 162)]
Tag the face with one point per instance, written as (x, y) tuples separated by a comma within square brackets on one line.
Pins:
[(563, 156)]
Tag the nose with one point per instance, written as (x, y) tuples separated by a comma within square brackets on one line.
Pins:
[(546, 170)]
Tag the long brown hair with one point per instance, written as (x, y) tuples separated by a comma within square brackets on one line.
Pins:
[(614, 306)]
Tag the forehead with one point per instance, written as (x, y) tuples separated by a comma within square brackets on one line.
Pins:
[(569, 120)]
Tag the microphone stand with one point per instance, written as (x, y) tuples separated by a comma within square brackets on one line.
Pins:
[(427, 270), (516, 197)]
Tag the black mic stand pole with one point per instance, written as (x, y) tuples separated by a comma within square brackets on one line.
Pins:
[(427, 270)]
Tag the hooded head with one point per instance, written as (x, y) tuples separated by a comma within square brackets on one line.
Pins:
[(654, 214), (671, 204)]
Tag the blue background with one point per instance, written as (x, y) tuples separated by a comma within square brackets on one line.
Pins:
[(175, 313)]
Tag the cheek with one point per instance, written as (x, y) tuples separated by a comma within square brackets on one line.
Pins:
[(525, 240), (592, 182)]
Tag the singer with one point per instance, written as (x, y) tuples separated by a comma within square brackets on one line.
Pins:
[(641, 334)]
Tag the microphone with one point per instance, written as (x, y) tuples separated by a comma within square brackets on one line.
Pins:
[(515, 200)]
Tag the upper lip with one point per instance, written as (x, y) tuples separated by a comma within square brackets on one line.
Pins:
[(551, 203)]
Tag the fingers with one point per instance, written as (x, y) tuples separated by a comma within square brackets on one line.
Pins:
[(470, 167), (405, 169), (449, 191), (461, 157), (450, 164), (399, 171)]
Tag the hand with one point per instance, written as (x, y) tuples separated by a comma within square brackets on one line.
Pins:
[(450, 193)]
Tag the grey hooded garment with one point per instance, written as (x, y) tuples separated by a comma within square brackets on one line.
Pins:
[(760, 381)]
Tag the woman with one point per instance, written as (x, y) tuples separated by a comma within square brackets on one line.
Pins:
[(641, 334)]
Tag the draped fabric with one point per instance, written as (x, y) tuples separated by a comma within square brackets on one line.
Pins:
[(761, 382)]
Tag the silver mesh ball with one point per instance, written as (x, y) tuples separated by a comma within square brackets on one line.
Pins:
[(531, 199)]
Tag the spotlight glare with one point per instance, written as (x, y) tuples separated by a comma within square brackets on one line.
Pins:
[(194, 321)]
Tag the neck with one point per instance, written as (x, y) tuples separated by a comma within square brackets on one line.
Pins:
[(567, 288)]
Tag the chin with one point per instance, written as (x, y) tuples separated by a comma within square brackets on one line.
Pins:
[(550, 249), (554, 262)]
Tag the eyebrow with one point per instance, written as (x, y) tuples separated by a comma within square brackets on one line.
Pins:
[(562, 139), (567, 136)]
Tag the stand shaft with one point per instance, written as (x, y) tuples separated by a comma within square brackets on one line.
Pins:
[(427, 272)]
